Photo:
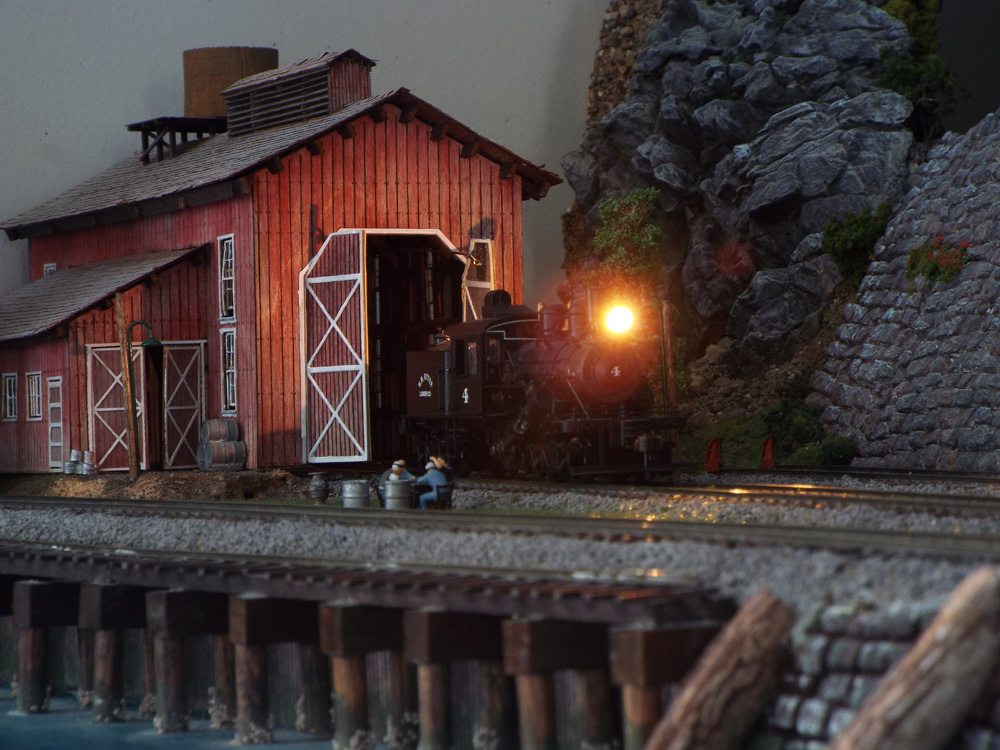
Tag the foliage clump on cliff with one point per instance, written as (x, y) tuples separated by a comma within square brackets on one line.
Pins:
[(626, 244), (850, 240), (922, 76)]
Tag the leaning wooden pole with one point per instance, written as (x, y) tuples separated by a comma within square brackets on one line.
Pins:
[(131, 427), (731, 683), (923, 700)]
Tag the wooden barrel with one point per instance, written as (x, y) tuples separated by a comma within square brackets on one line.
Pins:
[(229, 453), (220, 429)]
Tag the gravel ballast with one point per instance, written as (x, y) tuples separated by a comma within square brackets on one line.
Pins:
[(801, 577)]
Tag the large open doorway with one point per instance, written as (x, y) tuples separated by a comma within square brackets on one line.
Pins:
[(368, 297), (416, 291)]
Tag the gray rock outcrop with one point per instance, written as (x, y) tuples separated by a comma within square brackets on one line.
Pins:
[(914, 372), (758, 120)]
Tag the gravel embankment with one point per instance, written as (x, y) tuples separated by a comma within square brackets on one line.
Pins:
[(803, 578)]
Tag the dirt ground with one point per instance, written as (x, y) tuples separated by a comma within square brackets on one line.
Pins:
[(277, 484)]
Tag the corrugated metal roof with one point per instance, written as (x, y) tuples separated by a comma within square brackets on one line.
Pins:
[(221, 158), (43, 304)]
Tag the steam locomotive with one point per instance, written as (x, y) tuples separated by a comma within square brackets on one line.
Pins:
[(520, 392)]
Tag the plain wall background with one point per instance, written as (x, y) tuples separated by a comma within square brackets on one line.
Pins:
[(74, 73)]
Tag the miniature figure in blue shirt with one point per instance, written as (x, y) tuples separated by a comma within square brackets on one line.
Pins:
[(395, 473), (431, 479)]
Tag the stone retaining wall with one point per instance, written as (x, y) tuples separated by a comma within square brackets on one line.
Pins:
[(839, 657), (914, 372)]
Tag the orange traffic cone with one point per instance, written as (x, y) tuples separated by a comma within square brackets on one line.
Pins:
[(713, 460), (768, 456)]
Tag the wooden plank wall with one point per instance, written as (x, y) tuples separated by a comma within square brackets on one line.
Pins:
[(350, 81), (185, 304), (171, 305), (175, 308), (24, 444), (389, 174)]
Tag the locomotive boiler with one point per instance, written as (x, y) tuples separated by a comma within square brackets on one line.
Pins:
[(520, 392)]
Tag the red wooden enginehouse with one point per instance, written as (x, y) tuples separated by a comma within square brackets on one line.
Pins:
[(286, 255)]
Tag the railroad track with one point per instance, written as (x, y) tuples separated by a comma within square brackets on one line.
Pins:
[(612, 529), (535, 621)]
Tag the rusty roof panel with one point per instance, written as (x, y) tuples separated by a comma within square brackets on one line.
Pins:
[(45, 303)]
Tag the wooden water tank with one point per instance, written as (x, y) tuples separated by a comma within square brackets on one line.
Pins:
[(209, 70)]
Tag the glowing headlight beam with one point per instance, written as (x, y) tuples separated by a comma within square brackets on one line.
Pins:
[(619, 319)]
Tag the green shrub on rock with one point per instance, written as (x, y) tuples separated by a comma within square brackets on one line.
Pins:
[(850, 240)]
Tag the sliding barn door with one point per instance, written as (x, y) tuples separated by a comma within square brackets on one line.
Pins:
[(183, 403), (106, 405), (332, 326)]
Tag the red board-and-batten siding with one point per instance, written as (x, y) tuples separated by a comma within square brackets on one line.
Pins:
[(182, 306), (24, 444), (388, 175)]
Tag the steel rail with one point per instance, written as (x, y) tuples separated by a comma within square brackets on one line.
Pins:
[(592, 527), (918, 500)]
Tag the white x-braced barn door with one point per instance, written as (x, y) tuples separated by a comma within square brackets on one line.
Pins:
[(332, 329), (107, 401), (183, 403)]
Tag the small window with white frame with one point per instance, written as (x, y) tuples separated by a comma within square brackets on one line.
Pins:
[(228, 340), (34, 385), (49, 268), (9, 404), (227, 278)]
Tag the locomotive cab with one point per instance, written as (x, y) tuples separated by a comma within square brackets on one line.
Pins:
[(470, 375)]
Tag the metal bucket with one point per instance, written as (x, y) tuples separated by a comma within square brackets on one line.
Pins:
[(69, 467), (354, 493), (319, 487), (75, 456), (398, 495)]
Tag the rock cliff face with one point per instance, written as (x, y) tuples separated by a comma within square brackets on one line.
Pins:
[(757, 120), (914, 373)]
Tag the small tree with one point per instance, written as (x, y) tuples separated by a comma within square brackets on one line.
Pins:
[(849, 241), (929, 84), (920, 17), (626, 244)]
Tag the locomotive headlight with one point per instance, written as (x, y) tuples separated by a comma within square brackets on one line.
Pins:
[(619, 319)]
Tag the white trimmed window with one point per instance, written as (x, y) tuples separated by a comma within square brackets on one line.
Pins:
[(228, 336), (9, 404), (48, 268), (227, 279), (34, 383)]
